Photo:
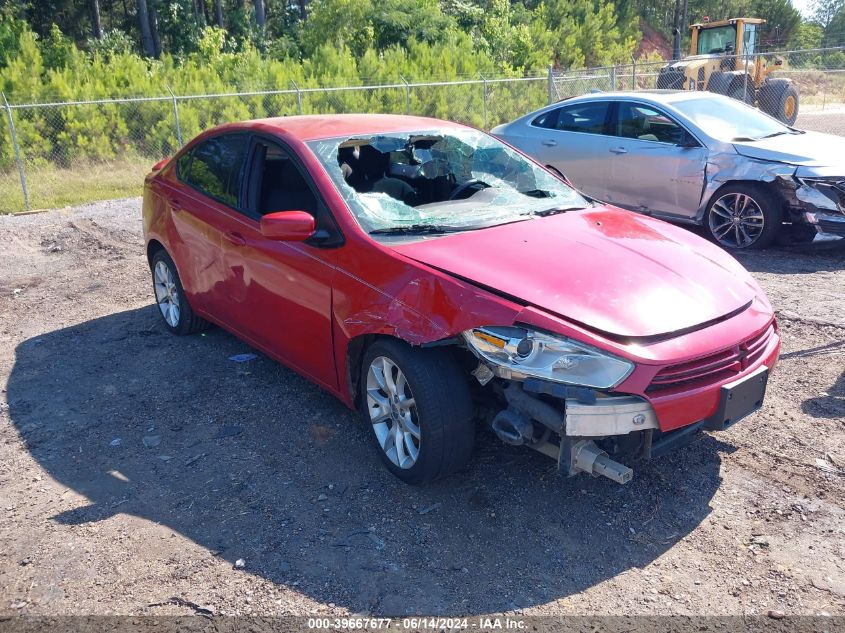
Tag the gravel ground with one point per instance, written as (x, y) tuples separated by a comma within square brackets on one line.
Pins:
[(256, 493)]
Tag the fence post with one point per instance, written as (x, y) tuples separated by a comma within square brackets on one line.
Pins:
[(176, 118), (551, 85), (613, 78), (298, 97), (484, 85), (633, 73), (407, 95), (745, 81), (18, 160)]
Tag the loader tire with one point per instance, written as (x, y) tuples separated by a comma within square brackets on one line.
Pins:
[(779, 98)]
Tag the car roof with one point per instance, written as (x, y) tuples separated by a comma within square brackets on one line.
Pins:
[(658, 96), (312, 127)]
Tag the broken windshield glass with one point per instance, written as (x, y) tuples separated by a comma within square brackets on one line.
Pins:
[(449, 177)]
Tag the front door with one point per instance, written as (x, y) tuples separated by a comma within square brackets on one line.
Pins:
[(653, 168), (282, 291)]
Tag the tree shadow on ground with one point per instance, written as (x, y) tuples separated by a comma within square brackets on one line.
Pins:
[(255, 462)]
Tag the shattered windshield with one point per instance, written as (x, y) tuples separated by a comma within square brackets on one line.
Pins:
[(438, 181)]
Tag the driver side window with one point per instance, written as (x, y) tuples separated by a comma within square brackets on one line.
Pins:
[(277, 183), (644, 123)]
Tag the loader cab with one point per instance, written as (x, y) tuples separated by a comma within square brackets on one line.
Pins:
[(733, 38)]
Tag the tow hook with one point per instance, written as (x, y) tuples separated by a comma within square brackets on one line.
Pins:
[(589, 458)]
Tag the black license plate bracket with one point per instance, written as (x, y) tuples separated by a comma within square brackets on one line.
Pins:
[(739, 399)]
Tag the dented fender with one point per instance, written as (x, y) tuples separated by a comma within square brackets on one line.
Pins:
[(410, 301), (725, 167)]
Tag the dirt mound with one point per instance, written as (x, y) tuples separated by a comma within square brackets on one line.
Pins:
[(653, 41)]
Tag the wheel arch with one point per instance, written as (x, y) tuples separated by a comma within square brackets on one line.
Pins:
[(770, 186), (358, 345), (153, 247), (354, 356)]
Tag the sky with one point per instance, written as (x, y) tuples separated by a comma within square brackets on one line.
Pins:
[(803, 6)]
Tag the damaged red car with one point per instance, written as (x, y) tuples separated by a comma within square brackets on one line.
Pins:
[(436, 279)]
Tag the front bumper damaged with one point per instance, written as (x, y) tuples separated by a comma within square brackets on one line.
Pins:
[(583, 429), (819, 199), (813, 196)]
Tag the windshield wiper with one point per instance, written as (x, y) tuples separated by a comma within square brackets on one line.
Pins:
[(748, 139), (555, 210), (420, 229)]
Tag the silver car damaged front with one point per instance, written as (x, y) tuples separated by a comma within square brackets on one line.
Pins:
[(807, 170)]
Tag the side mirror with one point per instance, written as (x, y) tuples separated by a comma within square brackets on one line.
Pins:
[(288, 226)]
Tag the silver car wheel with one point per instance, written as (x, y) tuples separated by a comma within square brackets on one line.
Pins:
[(393, 412), (736, 220), (167, 295)]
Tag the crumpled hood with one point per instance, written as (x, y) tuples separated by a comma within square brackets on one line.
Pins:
[(810, 148), (611, 270)]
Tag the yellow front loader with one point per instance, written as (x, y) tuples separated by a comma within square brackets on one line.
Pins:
[(723, 59)]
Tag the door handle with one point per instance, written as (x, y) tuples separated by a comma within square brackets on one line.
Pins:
[(550, 142), (618, 150), (175, 204), (235, 238)]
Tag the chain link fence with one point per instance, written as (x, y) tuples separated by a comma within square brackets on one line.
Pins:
[(816, 76), (61, 153)]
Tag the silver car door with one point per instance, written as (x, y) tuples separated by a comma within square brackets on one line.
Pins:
[(657, 166), (571, 139)]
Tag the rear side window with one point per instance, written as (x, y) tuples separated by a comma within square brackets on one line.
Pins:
[(589, 118), (182, 165), (215, 167), (547, 120)]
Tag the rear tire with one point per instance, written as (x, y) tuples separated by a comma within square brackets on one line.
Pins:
[(743, 91), (779, 98), (175, 311), (417, 404), (743, 216)]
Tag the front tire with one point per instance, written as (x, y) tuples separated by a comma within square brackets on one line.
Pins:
[(743, 216), (173, 305), (418, 406)]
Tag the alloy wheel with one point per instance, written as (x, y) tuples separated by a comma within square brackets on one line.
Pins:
[(167, 295), (393, 412), (736, 220)]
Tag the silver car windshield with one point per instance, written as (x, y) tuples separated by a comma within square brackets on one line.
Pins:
[(730, 120), (439, 180)]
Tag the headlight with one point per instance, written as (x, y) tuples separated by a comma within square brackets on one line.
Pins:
[(519, 353)]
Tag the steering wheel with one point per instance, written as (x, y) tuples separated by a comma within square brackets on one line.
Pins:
[(473, 182)]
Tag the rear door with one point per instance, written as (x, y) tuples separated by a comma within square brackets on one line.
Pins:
[(203, 210), (573, 139), (657, 166)]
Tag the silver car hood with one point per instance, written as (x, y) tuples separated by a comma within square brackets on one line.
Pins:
[(808, 149)]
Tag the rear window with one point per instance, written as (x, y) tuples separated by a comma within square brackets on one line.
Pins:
[(215, 167), (583, 117)]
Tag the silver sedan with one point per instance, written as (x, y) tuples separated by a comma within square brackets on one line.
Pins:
[(693, 157)]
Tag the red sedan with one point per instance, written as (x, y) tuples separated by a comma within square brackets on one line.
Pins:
[(434, 278)]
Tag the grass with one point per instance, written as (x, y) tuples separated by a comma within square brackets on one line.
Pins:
[(51, 187)]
